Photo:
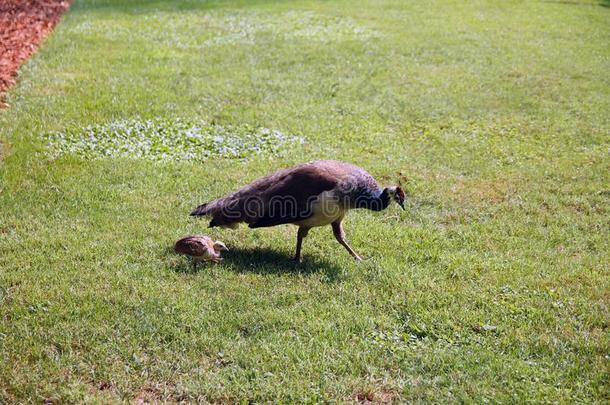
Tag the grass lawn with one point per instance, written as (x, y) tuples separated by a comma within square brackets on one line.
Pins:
[(493, 285)]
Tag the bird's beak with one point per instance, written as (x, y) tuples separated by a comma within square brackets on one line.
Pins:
[(402, 205)]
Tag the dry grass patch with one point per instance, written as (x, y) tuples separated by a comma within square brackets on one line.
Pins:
[(4, 149), (475, 192)]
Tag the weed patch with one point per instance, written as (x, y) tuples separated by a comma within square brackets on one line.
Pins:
[(161, 140)]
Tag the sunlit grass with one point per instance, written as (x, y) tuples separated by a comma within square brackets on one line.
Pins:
[(492, 286)]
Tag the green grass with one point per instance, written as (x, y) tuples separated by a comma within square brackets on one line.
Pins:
[(493, 285)]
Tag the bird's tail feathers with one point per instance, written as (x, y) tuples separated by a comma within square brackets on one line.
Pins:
[(200, 210), (223, 213)]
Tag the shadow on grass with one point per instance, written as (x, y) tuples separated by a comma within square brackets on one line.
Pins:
[(603, 3), (144, 6), (263, 261)]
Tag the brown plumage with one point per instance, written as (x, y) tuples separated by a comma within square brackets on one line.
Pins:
[(200, 248), (312, 194)]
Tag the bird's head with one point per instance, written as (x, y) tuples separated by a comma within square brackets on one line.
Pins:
[(218, 246), (397, 195)]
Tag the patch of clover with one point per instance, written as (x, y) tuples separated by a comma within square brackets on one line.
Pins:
[(203, 30), (246, 27), (167, 140)]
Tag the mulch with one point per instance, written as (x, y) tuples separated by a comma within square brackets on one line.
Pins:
[(23, 26)]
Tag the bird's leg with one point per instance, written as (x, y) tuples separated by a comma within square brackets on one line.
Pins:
[(340, 236), (302, 233), (194, 265)]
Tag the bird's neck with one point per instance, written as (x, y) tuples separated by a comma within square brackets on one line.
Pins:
[(374, 203), (384, 199)]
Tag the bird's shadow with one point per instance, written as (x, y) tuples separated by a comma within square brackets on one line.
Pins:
[(265, 262)]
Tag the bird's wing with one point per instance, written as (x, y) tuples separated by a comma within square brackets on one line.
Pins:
[(191, 246), (288, 199), (282, 197)]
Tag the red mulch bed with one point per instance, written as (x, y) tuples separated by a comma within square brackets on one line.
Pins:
[(23, 26)]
